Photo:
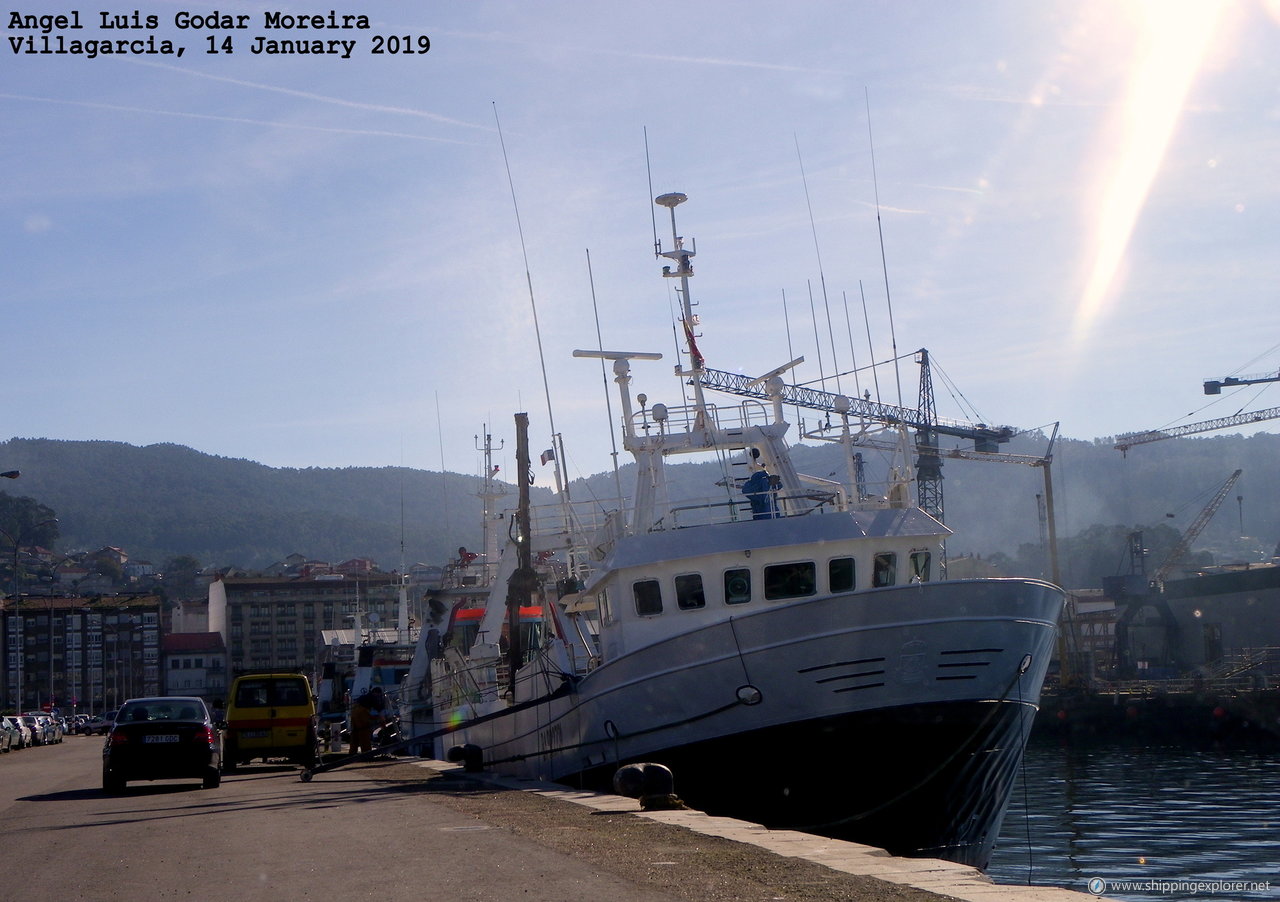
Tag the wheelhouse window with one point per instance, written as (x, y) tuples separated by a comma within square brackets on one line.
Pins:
[(648, 595), (790, 580), (921, 565), (884, 569), (737, 586), (689, 594), (840, 574)]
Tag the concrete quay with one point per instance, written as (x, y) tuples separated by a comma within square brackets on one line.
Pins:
[(891, 879)]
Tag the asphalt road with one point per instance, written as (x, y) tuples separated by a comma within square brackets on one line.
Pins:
[(382, 830)]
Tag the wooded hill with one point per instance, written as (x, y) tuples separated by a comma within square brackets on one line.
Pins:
[(162, 501)]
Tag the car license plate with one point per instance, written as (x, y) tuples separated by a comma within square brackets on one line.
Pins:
[(255, 734), (160, 737)]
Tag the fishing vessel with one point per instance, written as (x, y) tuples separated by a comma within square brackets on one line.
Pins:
[(786, 645), (455, 607)]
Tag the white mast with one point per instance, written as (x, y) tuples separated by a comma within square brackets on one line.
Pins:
[(680, 255), (488, 495)]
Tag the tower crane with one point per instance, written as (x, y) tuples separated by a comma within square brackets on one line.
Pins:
[(923, 419), (1215, 386), (1211, 387), (1129, 439)]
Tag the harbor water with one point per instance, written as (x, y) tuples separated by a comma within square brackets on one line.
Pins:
[(1144, 822)]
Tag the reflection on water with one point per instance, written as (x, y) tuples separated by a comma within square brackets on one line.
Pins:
[(1126, 813)]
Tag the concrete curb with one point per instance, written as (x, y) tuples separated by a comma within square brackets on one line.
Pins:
[(943, 878)]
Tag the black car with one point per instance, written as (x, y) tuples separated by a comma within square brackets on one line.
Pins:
[(162, 739)]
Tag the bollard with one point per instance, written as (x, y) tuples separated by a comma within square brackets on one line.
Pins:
[(471, 756), (652, 784)]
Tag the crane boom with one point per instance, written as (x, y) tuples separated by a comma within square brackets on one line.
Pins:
[(1201, 521), (1129, 439), (984, 437), (1215, 386), (923, 419)]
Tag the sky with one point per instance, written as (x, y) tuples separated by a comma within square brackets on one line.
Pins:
[(318, 261)]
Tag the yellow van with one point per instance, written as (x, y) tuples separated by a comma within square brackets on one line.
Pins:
[(270, 715)]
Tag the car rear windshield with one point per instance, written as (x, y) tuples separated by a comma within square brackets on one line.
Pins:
[(269, 691), (150, 711)]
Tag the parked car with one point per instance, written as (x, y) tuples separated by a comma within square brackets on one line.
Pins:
[(38, 736), (162, 738), (8, 735), (24, 732), (53, 728), (49, 725), (94, 725)]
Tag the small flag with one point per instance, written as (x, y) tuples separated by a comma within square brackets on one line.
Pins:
[(549, 454)]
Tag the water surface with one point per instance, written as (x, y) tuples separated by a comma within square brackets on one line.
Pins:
[(1128, 813)]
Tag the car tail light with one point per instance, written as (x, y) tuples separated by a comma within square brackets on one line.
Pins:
[(118, 737), (206, 735)]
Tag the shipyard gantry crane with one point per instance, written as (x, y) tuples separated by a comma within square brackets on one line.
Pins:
[(923, 419), (1151, 591), (1194, 530)]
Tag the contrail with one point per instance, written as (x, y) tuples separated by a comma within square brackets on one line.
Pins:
[(319, 98), (665, 58), (186, 115)]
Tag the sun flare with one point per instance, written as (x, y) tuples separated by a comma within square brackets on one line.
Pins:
[(1170, 45)]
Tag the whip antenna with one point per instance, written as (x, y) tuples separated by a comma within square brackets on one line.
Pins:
[(875, 184), (653, 214), (848, 328), (822, 278), (604, 376), (529, 278), (871, 349), (533, 304)]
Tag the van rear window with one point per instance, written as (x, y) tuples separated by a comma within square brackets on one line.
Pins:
[(267, 692)]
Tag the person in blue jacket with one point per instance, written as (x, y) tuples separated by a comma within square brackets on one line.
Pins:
[(759, 489)]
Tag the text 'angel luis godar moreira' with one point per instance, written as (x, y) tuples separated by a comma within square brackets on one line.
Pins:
[(221, 33)]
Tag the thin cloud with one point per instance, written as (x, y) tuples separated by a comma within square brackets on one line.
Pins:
[(658, 57), (319, 98), (717, 61), (182, 114)]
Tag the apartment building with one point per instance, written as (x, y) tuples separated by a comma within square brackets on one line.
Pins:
[(195, 664), (79, 653), (276, 621)]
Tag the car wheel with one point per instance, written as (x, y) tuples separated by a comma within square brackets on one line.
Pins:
[(112, 783), (212, 778)]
